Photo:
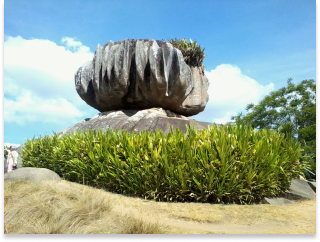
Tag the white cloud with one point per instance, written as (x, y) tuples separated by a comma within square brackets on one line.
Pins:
[(29, 108), (73, 45), (39, 80), (229, 93), (46, 56), (10, 144)]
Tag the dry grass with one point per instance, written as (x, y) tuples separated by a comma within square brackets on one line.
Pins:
[(60, 208), (68, 208)]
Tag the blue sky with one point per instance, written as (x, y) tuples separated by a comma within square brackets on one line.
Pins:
[(252, 47)]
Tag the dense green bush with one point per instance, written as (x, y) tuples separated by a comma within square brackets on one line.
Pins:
[(229, 164)]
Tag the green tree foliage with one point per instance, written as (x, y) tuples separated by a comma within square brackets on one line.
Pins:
[(5, 152), (290, 110)]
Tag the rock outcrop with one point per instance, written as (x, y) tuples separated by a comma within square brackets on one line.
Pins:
[(32, 174), (313, 185), (136, 120), (298, 190), (141, 74)]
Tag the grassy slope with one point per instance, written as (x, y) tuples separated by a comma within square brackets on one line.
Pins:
[(67, 208)]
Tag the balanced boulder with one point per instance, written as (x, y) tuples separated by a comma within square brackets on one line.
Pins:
[(141, 74)]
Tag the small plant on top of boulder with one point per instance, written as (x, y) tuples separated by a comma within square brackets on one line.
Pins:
[(192, 52)]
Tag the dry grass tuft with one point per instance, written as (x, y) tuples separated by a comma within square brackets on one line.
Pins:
[(138, 226), (54, 208)]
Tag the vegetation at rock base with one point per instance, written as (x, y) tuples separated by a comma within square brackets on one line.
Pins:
[(223, 164), (291, 110), (191, 51)]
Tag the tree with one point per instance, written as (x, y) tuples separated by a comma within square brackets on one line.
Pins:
[(290, 110)]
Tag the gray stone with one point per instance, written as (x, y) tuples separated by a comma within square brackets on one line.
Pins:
[(276, 201), (300, 190), (136, 120), (141, 74), (313, 185), (32, 174)]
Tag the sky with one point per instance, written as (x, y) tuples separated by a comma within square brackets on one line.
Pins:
[(252, 47)]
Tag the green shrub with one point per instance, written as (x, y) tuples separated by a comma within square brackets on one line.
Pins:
[(192, 52), (5, 152), (229, 164)]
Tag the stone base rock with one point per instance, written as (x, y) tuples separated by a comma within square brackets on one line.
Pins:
[(298, 190), (313, 185), (136, 120), (32, 174)]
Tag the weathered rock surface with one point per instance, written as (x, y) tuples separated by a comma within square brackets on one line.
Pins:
[(136, 120), (141, 74), (298, 190), (32, 174), (313, 185)]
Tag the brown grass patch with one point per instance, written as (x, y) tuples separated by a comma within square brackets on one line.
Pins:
[(70, 208), (61, 208)]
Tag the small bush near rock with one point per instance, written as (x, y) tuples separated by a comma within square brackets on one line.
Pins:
[(228, 164)]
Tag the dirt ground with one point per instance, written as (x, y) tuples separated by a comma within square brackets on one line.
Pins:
[(200, 218)]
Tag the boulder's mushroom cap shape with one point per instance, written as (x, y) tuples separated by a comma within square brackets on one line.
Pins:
[(141, 74)]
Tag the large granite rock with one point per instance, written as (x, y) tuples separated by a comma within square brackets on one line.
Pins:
[(298, 190), (313, 185), (136, 120), (141, 74), (32, 174)]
